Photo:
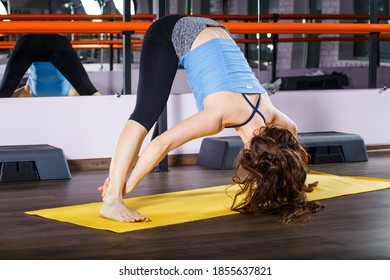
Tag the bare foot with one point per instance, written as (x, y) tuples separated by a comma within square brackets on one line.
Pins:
[(116, 210), (310, 187)]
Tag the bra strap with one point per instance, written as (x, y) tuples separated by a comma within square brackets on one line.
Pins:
[(255, 110)]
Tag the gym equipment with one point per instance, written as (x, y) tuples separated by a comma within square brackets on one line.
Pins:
[(32, 163), (198, 204), (334, 81), (219, 152), (323, 147), (333, 147)]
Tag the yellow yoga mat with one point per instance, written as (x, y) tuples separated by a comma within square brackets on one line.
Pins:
[(193, 205)]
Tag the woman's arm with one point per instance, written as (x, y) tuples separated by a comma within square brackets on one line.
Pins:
[(22, 91), (201, 124), (73, 92)]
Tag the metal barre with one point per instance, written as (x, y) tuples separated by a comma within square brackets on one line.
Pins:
[(24, 27)]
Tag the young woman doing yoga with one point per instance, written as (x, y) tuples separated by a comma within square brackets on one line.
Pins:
[(272, 166)]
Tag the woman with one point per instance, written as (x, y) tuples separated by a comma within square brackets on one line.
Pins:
[(55, 69), (226, 91)]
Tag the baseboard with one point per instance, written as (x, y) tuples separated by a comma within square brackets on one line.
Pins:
[(104, 163), (89, 164), (378, 148), (186, 159), (175, 160)]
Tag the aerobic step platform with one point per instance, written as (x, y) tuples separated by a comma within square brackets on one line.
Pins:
[(332, 146), (219, 152), (32, 163), (323, 147)]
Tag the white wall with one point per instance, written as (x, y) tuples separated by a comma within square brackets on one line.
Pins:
[(84, 127), (364, 112), (87, 127)]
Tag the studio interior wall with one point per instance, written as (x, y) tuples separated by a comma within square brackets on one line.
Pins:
[(88, 127)]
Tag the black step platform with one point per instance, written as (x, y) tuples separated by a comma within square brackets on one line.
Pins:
[(334, 147), (32, 162), (219, 152), (323, 147), (334, 81)]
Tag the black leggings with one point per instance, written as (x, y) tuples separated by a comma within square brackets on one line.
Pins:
[(158, 67), (45, 47)]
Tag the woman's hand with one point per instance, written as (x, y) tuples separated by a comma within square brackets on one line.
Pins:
[(309, 187), (103, 189)]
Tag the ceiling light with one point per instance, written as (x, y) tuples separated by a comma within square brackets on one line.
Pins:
[(3, 10), (91, 7), (119, 6)]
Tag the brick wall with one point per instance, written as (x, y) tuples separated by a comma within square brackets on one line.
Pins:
[(285, 49), (329, 52)]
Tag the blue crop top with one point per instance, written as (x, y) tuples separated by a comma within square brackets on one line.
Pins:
[(46, 80), (219, 65)]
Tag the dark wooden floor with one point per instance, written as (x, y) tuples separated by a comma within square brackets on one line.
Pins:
[(351, 227)]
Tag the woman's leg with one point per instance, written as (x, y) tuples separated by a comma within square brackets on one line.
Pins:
[(157, 71), (66, 60), (18, 63), (45, 47), (158, 67)]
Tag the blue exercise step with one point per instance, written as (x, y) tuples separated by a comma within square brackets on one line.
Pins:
[(333, 147), (32, 162), (323, 147), (219, 152)]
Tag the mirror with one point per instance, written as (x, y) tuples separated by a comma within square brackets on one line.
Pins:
[(100, 54), (304, 61), (284, 62)]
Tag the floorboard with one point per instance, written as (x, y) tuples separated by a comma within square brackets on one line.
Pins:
[(350, 228)]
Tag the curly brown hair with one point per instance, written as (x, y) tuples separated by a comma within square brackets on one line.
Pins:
[(273, 166)]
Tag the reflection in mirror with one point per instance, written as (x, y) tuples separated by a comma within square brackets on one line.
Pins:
[(302, 61), (324, 61), (3, 10), (55, 68), (286, 61), (97, 57)]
